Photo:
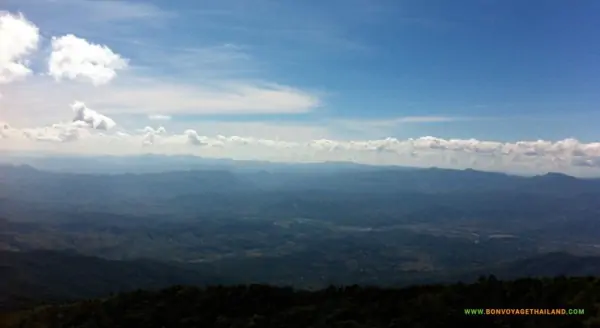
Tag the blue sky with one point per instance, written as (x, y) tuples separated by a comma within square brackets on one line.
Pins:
[(489, 70), (528, 69), (531, 65)]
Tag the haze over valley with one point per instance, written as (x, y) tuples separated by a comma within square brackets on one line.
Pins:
[(306, 225)]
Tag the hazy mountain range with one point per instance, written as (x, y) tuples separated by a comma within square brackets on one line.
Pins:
[(305, 225)]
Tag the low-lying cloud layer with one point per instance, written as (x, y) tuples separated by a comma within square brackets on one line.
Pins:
[(90, 132)]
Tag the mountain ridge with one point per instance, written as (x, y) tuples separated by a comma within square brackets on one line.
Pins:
[(160, 163)]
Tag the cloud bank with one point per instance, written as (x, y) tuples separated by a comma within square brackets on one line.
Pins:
[(92, 133)]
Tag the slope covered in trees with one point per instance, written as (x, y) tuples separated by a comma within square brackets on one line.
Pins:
[(30, 278), (351, 306), (47, 277)]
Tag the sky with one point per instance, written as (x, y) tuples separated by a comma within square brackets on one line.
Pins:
[(486, 84)]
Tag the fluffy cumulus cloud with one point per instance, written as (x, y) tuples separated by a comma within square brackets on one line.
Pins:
[(152, 135), (194, 138), (83, 124), (18, 39), (75, 58), (90, 117)]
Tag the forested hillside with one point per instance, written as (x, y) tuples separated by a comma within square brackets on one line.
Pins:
[(351, 306)]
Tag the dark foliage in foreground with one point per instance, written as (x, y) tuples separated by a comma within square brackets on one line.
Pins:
[(28, 279), (40, 277), (353, 306)]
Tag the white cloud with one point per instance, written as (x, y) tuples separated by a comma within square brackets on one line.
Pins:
[(18, 39), (159, 117), (228, 98), (61, 132), (84, 122), (75, 58), (151, 135), (79, 137), (90, 117), (41, 100), (149, 129), (5, 130), (194, 138)]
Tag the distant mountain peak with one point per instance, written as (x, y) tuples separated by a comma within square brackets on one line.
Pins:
[(20, 167), (558, 175)]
